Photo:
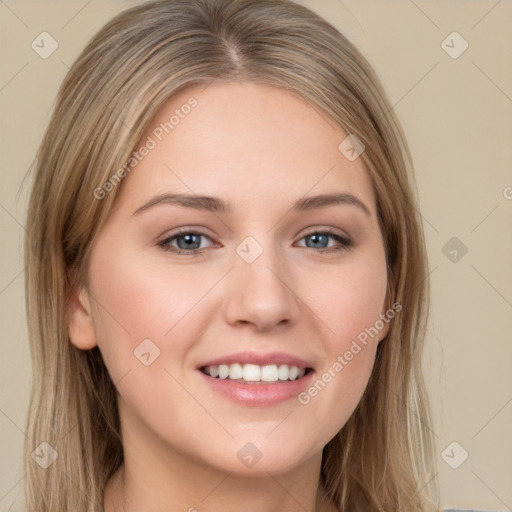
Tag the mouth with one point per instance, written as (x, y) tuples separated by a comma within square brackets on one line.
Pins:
[(257, 379), (256, 374)]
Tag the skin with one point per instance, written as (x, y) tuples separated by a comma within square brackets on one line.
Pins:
[(259, 148)]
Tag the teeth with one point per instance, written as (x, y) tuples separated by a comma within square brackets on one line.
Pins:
[(223, 371), (255, 373), (283, 372), (293, 372), (269, 373), (235, 371), (251, 373)]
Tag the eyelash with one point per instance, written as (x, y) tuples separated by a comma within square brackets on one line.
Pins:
[(345, 243)]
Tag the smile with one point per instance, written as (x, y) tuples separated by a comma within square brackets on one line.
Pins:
[(253, 373)]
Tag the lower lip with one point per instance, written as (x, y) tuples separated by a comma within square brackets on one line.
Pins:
[(258, 394)]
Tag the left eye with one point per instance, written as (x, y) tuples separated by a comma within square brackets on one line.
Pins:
[(189, 242), (318, 240)]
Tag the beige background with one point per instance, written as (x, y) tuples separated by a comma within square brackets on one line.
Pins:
[(457, 116)]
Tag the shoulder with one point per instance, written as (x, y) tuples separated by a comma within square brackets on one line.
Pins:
[(463, 510)]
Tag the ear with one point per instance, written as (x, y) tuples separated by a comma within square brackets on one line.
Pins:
[(384, 331), (388, 305), (79, 320)]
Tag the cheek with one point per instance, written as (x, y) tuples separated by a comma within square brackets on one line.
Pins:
[(351, 299), (130, 304), (140, 298), (349, 306)]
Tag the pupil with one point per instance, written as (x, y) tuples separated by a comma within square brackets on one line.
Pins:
[(189, 241), (317, 239)]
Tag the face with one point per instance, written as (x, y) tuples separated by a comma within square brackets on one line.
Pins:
[(260, 284)]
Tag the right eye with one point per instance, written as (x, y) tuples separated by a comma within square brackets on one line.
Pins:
[(184, 242)]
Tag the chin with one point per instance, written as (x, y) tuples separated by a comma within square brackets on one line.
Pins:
[(260, 458)]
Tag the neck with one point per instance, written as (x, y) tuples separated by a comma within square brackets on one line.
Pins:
[(132, 489)]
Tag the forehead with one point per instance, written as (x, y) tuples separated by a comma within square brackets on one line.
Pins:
[(244, 141)]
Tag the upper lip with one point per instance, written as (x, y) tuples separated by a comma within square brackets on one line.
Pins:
[(258, 358)]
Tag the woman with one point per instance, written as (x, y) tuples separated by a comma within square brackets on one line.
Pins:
[(226, 275)]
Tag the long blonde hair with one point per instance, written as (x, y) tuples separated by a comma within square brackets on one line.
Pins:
[(383, 458)]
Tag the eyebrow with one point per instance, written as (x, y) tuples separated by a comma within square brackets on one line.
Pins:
[(214, 204)]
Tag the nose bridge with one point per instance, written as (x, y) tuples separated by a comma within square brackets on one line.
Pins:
[(259, 291)]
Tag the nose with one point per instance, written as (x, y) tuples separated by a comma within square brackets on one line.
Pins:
[(261, 293)]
